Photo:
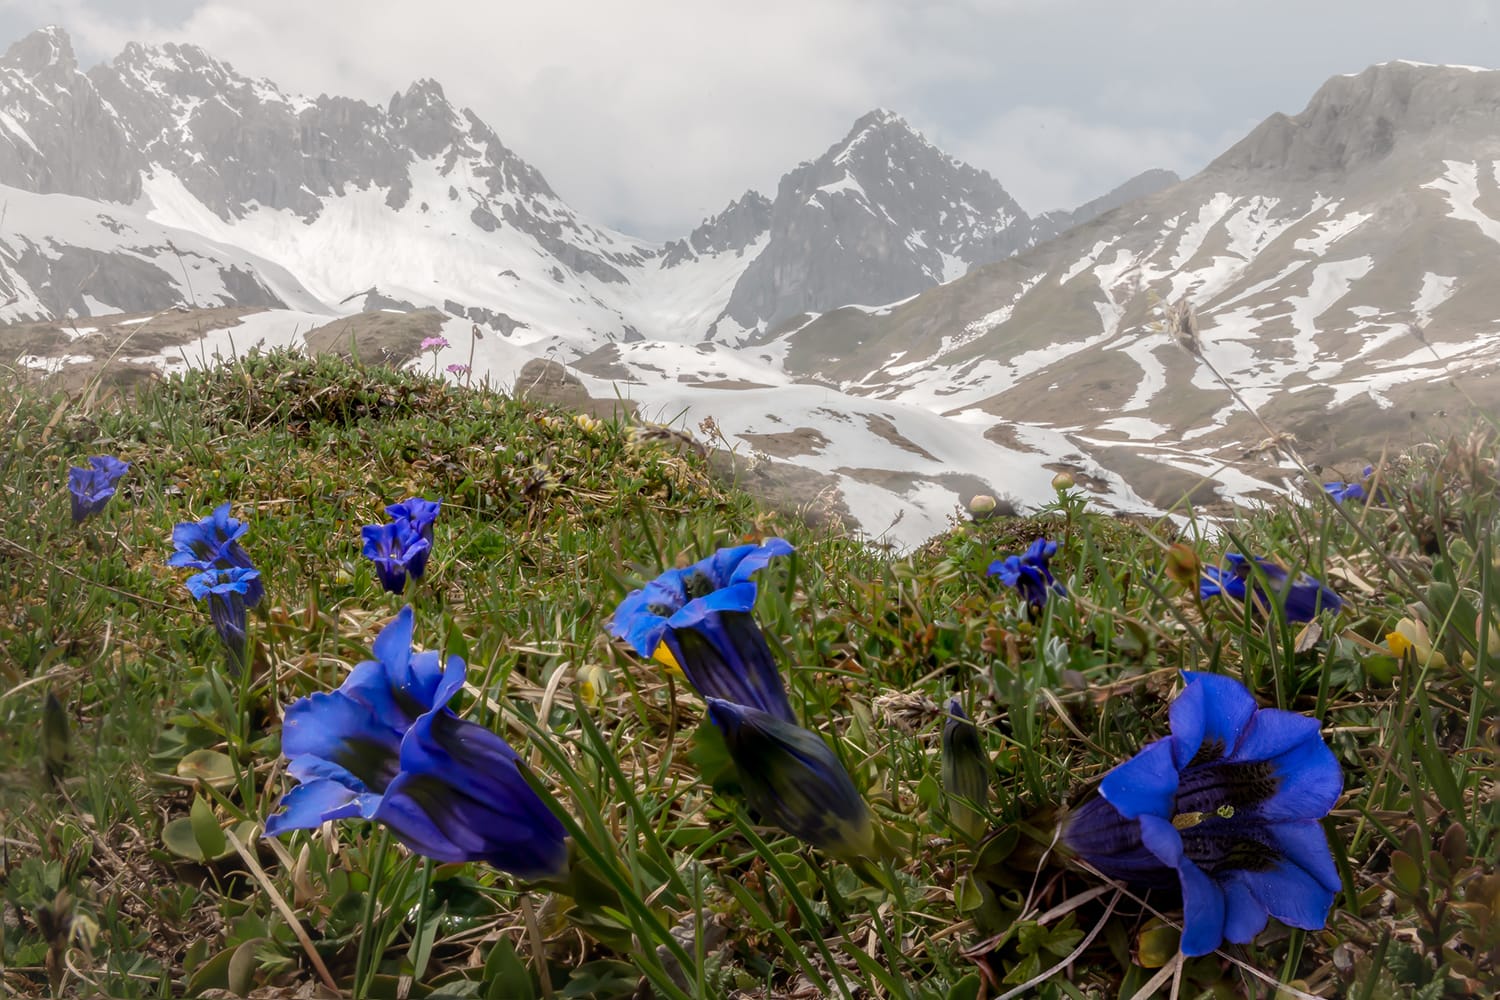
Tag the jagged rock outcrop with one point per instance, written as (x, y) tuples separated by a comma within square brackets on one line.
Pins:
[(883, 214), (731, 231)]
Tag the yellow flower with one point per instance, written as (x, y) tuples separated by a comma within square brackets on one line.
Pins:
[(1411, 635), (593, 684)]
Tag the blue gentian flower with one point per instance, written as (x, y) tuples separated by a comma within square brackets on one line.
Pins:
[(396, 550), (1217, 580), (1356, 490), (1341, 492), (1228, 808), (792, 780), (386, 747), (1030, 574), (213, 543), (419, 515), (1303, 598), (700, 619), (90, 488), (227, 591)]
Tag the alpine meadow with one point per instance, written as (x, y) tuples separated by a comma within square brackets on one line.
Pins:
[(410, 588)]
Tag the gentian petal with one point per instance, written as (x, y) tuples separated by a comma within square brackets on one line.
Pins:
[(1304, 844), (419, 512), (1162, 839), (1111, 843), (1308, 778), (1203, 909), (757, 558), (641, 617), (1289, 893), (1306, 597), (1244, 915), (723, 653), (392, 647), (468, 781), (1040, 551), (335, 727), (1146, 784), (1208, 717), (1216, 580), (307, 806)]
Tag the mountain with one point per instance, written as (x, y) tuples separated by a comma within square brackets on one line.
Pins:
[(430, 208), (1340, 264), (883, 214), (165, 180)]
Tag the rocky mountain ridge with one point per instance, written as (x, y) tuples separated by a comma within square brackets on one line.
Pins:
[(173, 134), (908, 349)]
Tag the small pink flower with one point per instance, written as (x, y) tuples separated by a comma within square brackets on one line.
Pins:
[(458, 369), (434, 343)]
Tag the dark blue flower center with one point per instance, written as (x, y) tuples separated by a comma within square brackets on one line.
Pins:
[(372, 762), (1220, 844), (698, 584), (1209, 788), (1209, 750), (661, 610)]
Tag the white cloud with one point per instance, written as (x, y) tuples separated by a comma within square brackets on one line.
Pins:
[(1052, 158)]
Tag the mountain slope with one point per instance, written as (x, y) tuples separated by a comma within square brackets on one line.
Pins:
[(1338, 260)]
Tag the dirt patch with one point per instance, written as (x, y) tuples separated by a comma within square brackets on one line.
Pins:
[(788, 489), (604, 362), (882, 428), (1080, 478), (1006, 437), (965, 485), (787, 444), (544, 381), (1160, 484), (112, 342), (387, 338), (124, 335)]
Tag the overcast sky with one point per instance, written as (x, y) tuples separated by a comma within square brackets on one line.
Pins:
[(648, 115)]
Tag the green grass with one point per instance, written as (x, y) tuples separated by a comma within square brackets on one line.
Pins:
[(116, 719)]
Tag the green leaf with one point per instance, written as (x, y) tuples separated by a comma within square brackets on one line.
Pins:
[(1406, 872), (206, 830), (242, 967), (505, 977), (966, 988), (1156, 944), (967, 896), (211, 767)]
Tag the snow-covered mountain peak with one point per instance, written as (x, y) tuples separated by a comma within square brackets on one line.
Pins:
[(881, 215), (880, 127), (45, 52)]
